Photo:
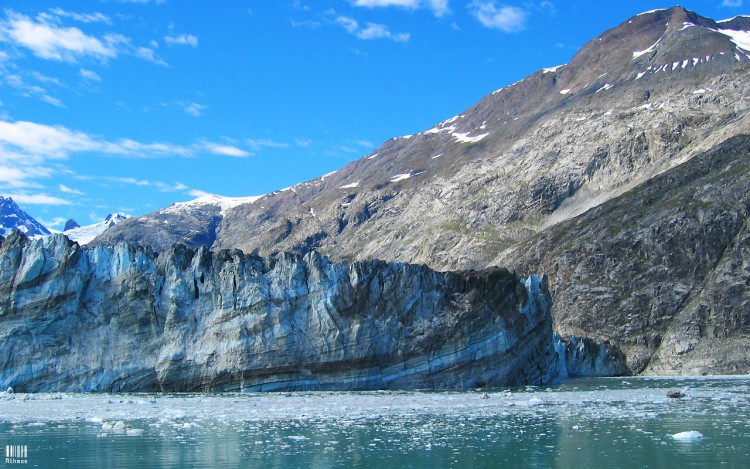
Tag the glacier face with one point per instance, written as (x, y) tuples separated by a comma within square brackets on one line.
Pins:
[(123, 318)]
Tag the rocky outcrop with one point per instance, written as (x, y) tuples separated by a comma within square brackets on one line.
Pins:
[(663, 271), (126, 319)]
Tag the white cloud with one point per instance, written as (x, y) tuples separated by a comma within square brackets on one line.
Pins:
[(182, 40), (29, 143), (503, 17), (387, 3), (192, 109), (69, 190), (370, 30), (225, 150), (38, 199), (439, 7), (198, 193), (53, 42), (731, 3), (257, 144), (90, 75), (52, 100), (48, 40), (82, 17)]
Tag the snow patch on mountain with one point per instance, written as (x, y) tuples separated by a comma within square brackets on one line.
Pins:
[(225, 203), (85, 234), (740, 38)]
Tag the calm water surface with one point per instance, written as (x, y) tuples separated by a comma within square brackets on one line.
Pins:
[(582, 423)]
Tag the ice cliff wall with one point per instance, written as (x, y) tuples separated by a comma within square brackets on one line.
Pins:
[(126, 319)]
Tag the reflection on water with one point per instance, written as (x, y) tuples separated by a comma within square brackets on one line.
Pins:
[(582, 423)]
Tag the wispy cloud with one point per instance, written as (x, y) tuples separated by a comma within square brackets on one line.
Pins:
[(89, 75), (225, 150), (506, 18), (732, 3), (161, 186), (81, 17), (439, 7), (192, 109), (59, 142), (182, 40), (39, 199), (69, 190), (260, 143), (370, 30)]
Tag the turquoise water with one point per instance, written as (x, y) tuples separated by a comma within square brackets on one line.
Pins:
[(581, 423)]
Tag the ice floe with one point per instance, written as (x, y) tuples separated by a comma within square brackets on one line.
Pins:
[(688, 436)]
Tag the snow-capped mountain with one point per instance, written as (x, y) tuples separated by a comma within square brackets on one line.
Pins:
[(13, 218), (84, 234), (642, 113), (192, 223)]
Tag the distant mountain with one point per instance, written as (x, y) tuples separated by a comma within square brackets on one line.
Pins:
[(511, 178), (84, 234), (13, 218), (191, 223), (71, 224)]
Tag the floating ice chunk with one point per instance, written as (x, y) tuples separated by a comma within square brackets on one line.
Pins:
[(134, 432), (94, 420), (688, 436), (535, 402)]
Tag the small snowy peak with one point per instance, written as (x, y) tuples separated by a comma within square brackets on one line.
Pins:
[(85, 234), (224, 203)]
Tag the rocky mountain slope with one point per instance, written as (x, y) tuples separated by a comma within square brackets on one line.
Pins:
[(125, 319), (13, 218), (635, 101), (663, 270), (540, 162)]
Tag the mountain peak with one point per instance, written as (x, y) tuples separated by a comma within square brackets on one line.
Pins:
[(656, 39), (13, 218)]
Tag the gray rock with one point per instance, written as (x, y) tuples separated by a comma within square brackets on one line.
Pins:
[(125, 319)]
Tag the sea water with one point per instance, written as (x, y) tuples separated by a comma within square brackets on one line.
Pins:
[(613, 422)]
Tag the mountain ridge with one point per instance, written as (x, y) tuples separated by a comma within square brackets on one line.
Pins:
[(630, 110)]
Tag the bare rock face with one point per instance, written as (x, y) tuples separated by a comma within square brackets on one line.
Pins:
[(662, 271), (125, 319)]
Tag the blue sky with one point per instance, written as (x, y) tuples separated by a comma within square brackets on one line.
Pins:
[(131, 105)]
